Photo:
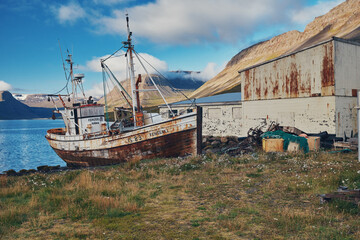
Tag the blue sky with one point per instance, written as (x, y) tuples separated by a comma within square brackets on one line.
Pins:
[(196, 35)]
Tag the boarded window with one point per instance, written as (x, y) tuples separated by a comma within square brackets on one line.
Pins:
[(236, 113), (173, 113), (214, 113)]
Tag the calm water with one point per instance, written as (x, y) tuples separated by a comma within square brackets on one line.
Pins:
[(23, 144)]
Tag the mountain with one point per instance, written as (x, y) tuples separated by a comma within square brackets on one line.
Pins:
[(342, 21), (10, 108), (173, 87), (33, 100)]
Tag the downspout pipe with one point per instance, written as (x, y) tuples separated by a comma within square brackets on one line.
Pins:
[(358, 121)]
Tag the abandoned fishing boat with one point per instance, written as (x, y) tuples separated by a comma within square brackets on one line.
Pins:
[(89, 139)]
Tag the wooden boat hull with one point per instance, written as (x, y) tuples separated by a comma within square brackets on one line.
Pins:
[(175, 137)]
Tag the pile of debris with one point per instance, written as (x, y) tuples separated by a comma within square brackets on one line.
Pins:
[(293, 140), (216, 144), (342, 194), (238, 146)]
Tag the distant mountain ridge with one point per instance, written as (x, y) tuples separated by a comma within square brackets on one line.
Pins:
[(173, 87), (342, 21), (174, 82), (10, 109)]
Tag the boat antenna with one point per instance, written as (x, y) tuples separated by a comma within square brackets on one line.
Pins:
[(62, 59)]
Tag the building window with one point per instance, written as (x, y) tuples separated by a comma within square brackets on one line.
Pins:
[(214, 113), (236, 113)]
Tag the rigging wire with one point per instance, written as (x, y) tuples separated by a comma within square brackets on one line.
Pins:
[(163, 76), (66, 76), (120, 91), (103, 60), (106, 106), (81, 86), (110, 73), (155, 85)]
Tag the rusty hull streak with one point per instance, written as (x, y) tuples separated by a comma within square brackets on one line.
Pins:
[(165, 146)]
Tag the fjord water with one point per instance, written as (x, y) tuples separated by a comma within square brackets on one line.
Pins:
[(23, 144)]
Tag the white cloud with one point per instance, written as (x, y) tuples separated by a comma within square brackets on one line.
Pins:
[(188, 21), (4, 86), (208, 72), (69, 13), (119, 67), (307, 14), (110, 2), (97, 90)]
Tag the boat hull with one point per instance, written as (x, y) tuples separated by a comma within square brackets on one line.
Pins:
[(175, 137)]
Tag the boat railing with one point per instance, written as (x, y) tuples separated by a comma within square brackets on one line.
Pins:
[(57, 131)]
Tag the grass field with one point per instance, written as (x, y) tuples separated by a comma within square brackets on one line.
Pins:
[(256, 196)]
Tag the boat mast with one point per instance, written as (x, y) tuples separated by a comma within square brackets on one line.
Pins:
[(129, 46), (73, 84)]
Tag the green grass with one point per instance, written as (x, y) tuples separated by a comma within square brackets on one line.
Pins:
[(255, 196)]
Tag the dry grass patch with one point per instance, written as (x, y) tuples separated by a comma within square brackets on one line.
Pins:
[(255, 196)]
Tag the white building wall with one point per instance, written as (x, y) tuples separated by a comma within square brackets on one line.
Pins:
[(347, 68), (347, 81), (311, 115), (218, 119), (223, 120), (346, 116)]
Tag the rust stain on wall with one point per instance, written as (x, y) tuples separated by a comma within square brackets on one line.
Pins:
[(327, 72), (266, 87), (246, 84), (276, 89), (294, 81)]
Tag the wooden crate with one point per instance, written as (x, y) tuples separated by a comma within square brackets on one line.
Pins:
[(314, 143), (273, 145)]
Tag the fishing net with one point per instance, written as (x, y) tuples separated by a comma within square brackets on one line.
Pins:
[(303, 144)]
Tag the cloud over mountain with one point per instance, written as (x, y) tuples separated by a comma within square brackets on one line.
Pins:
[(4, 86), (119, 67), (307, 14)]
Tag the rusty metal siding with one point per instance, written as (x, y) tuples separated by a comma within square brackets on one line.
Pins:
[(347, 68), (303, 74)]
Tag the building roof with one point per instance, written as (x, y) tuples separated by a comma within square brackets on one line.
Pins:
[(225, 98), (301, 50)]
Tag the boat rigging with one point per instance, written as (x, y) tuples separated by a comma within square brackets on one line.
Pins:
[(89, 140)]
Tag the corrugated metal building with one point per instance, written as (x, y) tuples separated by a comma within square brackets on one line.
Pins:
[(313, 89)]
